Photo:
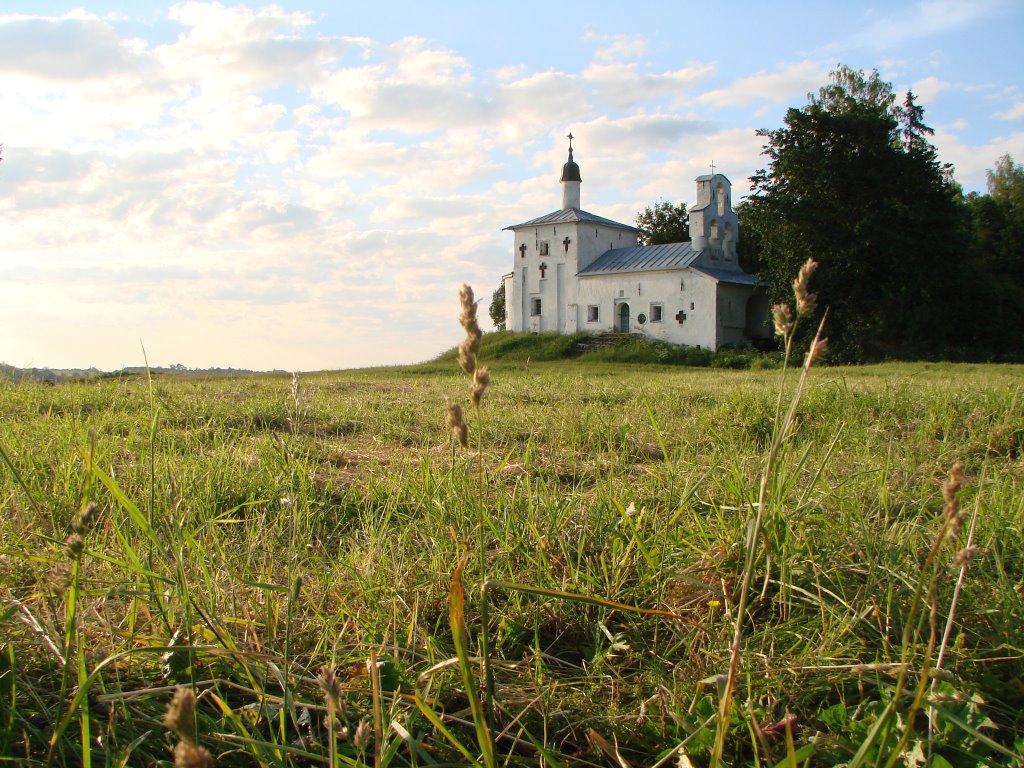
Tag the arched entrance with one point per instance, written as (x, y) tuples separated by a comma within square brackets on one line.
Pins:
[(623, 318)]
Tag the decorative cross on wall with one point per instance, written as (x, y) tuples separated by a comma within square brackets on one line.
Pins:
[(522, 250), (543, 268), (680, 316), (566, 244)]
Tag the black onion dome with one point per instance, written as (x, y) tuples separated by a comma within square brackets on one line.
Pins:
[(570, 171)]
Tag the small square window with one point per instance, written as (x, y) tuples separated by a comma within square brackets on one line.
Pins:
[(544, 248), (656, 312), (535, 307), (691, 306), (593, 313)]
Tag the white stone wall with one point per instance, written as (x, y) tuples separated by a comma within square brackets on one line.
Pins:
[(675, 291)]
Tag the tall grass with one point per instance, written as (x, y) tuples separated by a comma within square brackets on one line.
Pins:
[(289, 550)]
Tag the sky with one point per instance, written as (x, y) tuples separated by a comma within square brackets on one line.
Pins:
[(304, 185)]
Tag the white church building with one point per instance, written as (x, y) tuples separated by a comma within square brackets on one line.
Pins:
[(575, 271)]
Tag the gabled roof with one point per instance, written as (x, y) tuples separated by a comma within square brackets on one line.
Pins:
[(570, 215), (642, 258)]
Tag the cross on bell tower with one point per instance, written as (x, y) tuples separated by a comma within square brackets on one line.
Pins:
[(570, 181)]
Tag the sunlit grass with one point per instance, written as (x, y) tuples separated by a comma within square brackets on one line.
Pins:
[(250, 535)]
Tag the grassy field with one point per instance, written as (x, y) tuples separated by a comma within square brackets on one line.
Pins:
[(292, 551)]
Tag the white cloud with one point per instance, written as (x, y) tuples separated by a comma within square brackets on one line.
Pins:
[(928, 88), (1016, 112), (792, 81)]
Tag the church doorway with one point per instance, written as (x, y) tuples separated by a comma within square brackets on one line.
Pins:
[(623, 318)]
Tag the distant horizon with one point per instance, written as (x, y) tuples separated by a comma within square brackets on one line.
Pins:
[(299, 186)]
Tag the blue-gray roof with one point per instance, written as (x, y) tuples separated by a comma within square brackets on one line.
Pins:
[(727, 276), (642, 258), (569, 215), (652, 258)]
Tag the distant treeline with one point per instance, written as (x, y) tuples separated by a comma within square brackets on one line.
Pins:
[(60, 375)]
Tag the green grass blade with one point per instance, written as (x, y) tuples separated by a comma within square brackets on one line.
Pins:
[(460, 636)]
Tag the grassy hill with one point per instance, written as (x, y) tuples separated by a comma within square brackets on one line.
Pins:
[(506, 347), (295, 552)]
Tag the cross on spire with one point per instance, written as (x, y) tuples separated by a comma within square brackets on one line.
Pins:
[(712, 167), (570, 137)]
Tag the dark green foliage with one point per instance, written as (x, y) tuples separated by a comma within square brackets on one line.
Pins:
[(993, 277), (497, 310), (854, 183), (663, 223), (509, 347)]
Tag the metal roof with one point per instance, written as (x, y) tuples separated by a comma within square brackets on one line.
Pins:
[(728, 276), (569, 215), (652, 258), (642, 258)]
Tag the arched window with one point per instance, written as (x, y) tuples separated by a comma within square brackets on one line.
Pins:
[(721, 199)]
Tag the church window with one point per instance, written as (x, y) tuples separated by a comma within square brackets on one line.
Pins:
[(721, 199), (534, 307), (656, 313), (593, 313), (691, 306), (544, 248)]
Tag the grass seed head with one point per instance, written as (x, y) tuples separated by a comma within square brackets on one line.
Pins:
[(84, 520), (331, 687), (481, 381), (453, 418), (467, 357), (189, 755), (805, 301), (782, 316), (470, 347), (363, 734), (181, 715), (966, 555), (73, 545), (950, 491)]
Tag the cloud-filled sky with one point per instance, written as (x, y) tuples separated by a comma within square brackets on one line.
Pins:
[(303, 185)]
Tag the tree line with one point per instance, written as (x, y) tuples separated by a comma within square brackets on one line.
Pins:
[(910, 266)]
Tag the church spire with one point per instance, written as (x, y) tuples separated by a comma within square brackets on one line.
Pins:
[(571, 181)]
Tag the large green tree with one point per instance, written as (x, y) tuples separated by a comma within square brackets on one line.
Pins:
[(853, 181), (993, 273), (663, 223)]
